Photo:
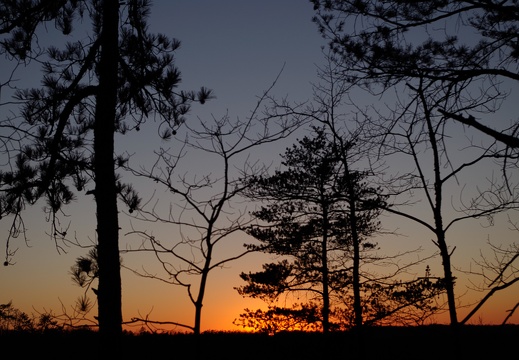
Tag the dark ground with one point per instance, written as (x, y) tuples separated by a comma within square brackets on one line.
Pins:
[(382, 343)]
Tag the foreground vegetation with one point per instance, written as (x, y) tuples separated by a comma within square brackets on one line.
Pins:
[(424, 342)]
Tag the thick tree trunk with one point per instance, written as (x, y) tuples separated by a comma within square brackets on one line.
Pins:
[(109, 292)]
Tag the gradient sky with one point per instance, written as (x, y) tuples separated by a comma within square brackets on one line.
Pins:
[(237, 48)]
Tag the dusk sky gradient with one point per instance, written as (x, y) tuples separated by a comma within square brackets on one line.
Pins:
[(237, 48)]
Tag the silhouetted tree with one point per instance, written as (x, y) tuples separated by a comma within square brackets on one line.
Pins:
[(413, 48), (372, 298), (319, 214), (93, 88), (208, 200), (422, 136), (455, 42), (12, 318)]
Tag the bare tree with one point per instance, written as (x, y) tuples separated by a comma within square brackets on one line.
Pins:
[(412, 49), (207, 209), (422, 137)]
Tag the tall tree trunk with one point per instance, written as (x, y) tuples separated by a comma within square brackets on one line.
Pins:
[(109, 292), (355, 239), (357, 305), (325, 272), (437, 212)]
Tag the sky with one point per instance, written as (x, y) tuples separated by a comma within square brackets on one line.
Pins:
[(236, 48)]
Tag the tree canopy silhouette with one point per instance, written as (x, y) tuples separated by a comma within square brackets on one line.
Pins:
[(110, 82), (453, 59), (307, 219), (452, 43)]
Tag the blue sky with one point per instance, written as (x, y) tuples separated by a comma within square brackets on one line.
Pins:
[(237, 48)]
